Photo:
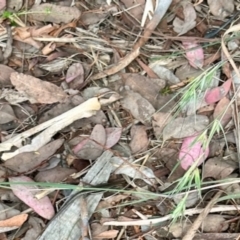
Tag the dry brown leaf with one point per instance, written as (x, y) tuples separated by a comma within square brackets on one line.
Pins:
[(30, 41), (190, 201), (135, 11), (139, 107), (6, 113), (195, 104), (146, 87), (3, 235), (185, 127), (14, 4), (9, 126), (214, 223), (164, 73), (92, 148), (189, 22), (7, 195), (13, 96), (178, 229), (89, 18), (147, 69), (56, 66), (186, 71), (159, 121), (39, 90), (50, 47), (39, 31), (232, 188), (113, 136), (75, 76), (107, 234), (52, 163), (5, 73), (139, 139), (54, 175), (122, 166), (78, 164), (47, 12), (27, 161), (23, 32), (60, 29), (221, 8), (216, 147), (7, 211), (170, 157), (16, 221), (111, 201), (223, 111), (97, 228), (218, 168), (26, 34), (35, 228)]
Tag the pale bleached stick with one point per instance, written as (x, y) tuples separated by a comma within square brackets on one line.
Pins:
[(49, 129), (188, 212)]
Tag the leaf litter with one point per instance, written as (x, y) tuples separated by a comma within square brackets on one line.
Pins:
[(119, 113)]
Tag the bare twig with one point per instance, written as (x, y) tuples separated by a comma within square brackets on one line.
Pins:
[(160, 11), (188, 212)]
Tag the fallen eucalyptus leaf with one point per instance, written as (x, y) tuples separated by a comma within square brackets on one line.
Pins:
[(54, 13), (192, 152), (183, 26), (26, 193), (185, 127), (39, 90)]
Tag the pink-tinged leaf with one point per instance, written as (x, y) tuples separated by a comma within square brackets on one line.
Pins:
[(75, 71), (80, 145), (192, 151), (2, 4), (92, 147), (27, 193), (194, 54), (113, 136), (216, 94)]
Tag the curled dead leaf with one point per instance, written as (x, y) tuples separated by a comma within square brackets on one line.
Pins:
[(183, 26)]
